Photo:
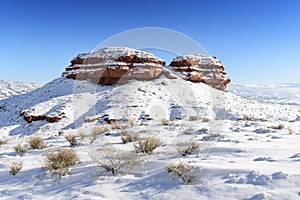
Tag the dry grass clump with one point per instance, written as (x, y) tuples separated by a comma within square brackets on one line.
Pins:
[(188, 147), (193, 118), (15, 167), (129, 137), (4, 140), (131, 122), (21, 149), (211, 137), (147, 145), (183, 171), (166, 122), (278, 127), (59, 162), (290, 130), (205, 119), (113, 160), (72, 139), (36, 142)]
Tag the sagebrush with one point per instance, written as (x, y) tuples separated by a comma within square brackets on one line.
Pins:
[(188, 147), (36, 142), (147, 145), (184, 171), (114, 160), (15, 167), (59, 162)]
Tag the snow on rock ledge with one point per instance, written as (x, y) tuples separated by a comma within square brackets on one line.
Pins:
[(115, 65), (202, 68)]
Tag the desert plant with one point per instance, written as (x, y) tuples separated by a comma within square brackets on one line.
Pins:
[(72, 139), (113, 160), (59, 162), (205, 119), (188, 147), (210, 137), (21, 149), (166, 122), (36, 142), (4, 140), (290, 130), (189, 131), (82, 134), (15, 167), (131, 122), (147, 145), (129, 137), (97, 130), (278, 127), (183, 171), (193, 118)]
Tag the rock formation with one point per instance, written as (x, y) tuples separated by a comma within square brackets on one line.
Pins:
[(201, 68), (118, 65), (115, 65)]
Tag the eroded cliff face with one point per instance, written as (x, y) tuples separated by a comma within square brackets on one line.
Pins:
[(115, 65), (201, 68), (118, 65)]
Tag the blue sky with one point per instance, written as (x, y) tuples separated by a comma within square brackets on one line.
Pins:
[(257, 40)]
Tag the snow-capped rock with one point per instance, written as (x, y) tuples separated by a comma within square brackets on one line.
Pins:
[(115, 65), (202, 68)]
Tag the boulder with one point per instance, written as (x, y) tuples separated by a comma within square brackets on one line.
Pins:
[(201, 68)]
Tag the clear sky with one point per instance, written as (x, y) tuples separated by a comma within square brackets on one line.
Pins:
[(258, 41)]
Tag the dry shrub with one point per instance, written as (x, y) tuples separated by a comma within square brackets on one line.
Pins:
[(82, 134), (72, 139), (290, 130), (15, 167), (166, 122), (188, 147), (4, 140), (189, 131), (147, 145), (21, 149), (205, 119), (211, 137), (183, 171), (113, 160), (278, 127), (131, 122), (59, 162), (36, 142), (193, 118), (129, 137), (97, 130)]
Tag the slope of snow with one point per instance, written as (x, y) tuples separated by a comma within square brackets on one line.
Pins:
[(241, 156), (280, 93), (11, 88)]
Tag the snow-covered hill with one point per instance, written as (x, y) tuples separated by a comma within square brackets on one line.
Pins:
[(249, 149), (11, 88)]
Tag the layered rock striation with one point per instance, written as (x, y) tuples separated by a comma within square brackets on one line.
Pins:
[(201, 68)]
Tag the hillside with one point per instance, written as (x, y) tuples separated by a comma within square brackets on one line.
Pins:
[(244, 148)]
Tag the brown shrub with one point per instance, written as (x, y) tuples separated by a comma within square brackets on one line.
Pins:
[(147, 145), (36, 142)]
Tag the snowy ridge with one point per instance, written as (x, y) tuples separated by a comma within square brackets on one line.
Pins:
[(11, 88), (273, 93)]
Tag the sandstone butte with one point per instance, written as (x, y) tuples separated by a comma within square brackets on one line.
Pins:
[(118, 65)]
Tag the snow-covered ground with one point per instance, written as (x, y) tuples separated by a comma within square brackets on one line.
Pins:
[(249, 149)]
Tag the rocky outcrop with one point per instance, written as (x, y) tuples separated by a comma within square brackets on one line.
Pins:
[(201, 68), (115, 65), (118, 65), (31, 118)]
